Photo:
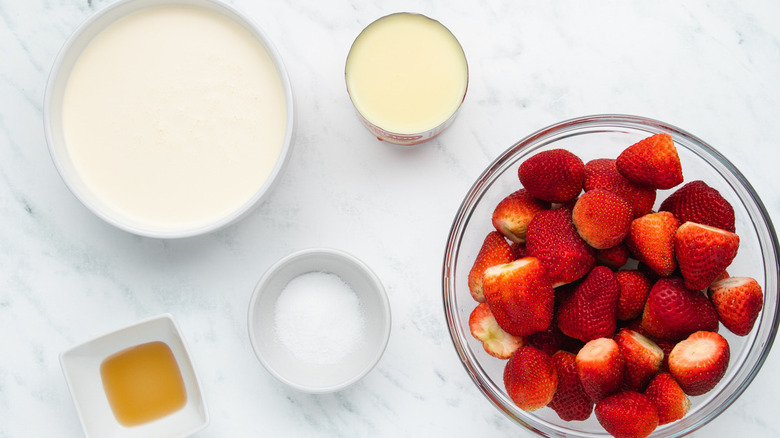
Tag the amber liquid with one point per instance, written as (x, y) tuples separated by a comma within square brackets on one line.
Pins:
[(143, 383)]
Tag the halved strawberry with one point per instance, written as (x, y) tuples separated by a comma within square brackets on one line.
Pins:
[(668, 397), (703, 252), (627, 414), (495, 340), (651, 162), (601, 368), (589, 312), (651, 241), (699, 362), (512, 215), (602, 173), (643, 358), (530, 378), (553, 240), (570, 401), (613, 258), (634, 287), (602, 218), (494, 251), (554, 176), (700, 203), (520, 296), (738, 301), (673, 311)]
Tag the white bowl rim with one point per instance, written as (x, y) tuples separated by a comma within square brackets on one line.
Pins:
[(231, 218), (378, 289)]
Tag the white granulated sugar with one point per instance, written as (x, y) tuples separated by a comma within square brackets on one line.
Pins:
[(318, 317)]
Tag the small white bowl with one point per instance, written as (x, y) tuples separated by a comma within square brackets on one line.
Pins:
[(55, 136), (284, 364), (81, 366)]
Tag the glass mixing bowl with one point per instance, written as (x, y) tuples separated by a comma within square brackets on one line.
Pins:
[(605, 136)]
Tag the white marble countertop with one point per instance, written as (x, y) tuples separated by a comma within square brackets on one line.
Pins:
[(712, 68)]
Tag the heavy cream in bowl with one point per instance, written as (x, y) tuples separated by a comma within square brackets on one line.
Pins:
[(169, 119)]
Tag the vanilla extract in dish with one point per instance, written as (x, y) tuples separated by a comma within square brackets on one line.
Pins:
[(319, 318), (174, 116), (143, 383)]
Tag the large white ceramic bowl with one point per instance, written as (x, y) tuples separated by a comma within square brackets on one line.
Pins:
[(53, 120)]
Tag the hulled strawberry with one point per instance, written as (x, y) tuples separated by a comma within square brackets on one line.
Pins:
[(494, 251), (570, 401), (601, 368), (673, 311), (553, 240), (700, 203), (496, 342), (703, 253), (699, 362), (520, 296), (512, 215), (651, 241), (554, 176), (530, 378), (634, 287), (602, 173), (613, 258), (668, 397), (738, 301), (651, 162), (590, 311), (602, 218), (642, 356), (627, 414)]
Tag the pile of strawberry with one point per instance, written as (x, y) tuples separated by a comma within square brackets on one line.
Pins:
[(583, 325)]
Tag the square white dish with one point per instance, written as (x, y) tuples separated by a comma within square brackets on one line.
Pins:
[(81, 367)]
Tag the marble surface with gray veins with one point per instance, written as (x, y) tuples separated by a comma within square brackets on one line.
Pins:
[(66, 276)]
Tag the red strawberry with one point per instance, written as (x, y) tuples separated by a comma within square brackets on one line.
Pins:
[(494, 251), (703, 252), (700, 203), (602, 173), (513, 213), (552, 340), (613, 258), (634, 287), (589, 313), (518, 250), (722, 276), (530, 378), (643, 358), (553, 240), (627, 414), (570, 401), (602, 218), (495, 340), (520, 296), (699, 362), (667, 346), (673, 311), (651, 241), (738, 301), (554, 176), (668, 397), (651, 162), (600, 368)]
